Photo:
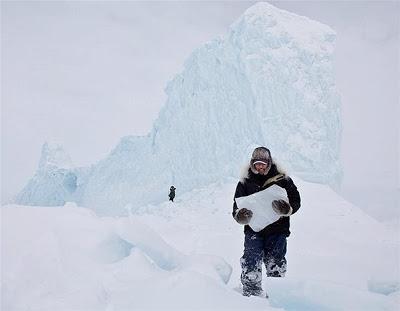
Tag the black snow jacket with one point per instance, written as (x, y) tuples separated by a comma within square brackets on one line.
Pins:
[(253, 183)]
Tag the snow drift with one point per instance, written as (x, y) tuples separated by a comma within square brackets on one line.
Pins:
[(269, 81), (185, 256)]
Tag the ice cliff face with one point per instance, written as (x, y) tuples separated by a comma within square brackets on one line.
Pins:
[(268, 82)]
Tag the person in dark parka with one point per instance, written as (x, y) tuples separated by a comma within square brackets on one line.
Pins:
[(172, 193), (267, 246)]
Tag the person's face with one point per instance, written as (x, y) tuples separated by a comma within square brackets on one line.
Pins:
[(260, 167)]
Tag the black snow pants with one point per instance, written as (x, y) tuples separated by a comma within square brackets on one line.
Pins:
[(258, 249)]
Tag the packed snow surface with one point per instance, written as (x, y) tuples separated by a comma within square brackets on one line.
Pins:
[(185, 256), (269, 81)]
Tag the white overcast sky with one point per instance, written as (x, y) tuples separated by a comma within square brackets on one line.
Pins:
[(87, 73)]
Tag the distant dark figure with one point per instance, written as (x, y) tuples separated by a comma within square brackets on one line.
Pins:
[(172, 193)]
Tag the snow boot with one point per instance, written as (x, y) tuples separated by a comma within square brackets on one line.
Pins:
[(252, 292)]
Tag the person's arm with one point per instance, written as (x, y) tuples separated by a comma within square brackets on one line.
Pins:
[(242, 216), (240, 192), (292, 193)]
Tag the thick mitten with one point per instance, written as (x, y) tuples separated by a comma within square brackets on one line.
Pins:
[(243, 216), (282, 207)]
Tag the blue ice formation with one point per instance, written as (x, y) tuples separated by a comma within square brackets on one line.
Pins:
[(269, 81)]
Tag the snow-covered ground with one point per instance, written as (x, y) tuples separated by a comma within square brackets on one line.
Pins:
[(185, 256)]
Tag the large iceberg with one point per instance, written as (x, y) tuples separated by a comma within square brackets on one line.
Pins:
[(269, 81)]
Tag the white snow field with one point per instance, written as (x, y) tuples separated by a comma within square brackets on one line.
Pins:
[(269, 81), (185, 256)]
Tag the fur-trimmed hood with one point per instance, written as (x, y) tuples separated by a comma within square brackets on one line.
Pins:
[(246, 169)]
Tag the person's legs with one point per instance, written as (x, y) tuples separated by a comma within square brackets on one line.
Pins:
[(251, 263), (274, 255)]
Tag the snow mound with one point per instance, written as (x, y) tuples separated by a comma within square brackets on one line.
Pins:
[(73, 254)]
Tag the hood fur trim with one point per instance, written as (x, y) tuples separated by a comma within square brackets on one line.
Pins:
[(244, 172), (279, 168)]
